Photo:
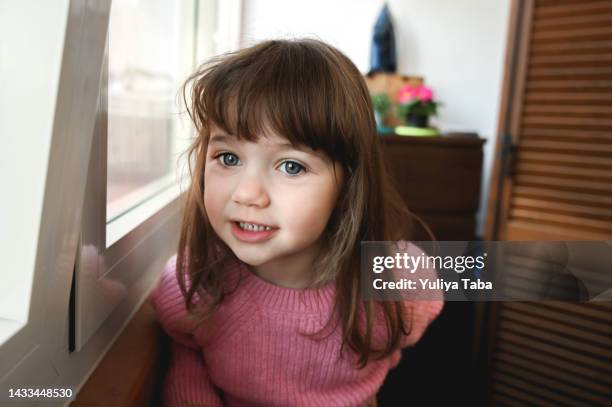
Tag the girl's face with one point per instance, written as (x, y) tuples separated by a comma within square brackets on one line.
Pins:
[(268, 200)]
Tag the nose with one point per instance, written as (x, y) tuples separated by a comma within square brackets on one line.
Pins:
[(251, 191)]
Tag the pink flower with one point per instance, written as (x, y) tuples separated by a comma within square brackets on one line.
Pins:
[(408, 93), (425, 94)]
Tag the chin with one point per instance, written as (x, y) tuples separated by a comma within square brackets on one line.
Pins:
[(252, 259)]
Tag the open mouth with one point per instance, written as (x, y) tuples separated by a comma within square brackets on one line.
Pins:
[(252, 232)]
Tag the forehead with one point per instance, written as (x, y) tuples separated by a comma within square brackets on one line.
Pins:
[(268, 139)]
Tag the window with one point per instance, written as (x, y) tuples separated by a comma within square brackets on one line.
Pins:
[(145, 70)]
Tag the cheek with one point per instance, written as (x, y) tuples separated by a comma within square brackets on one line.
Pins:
[(214, 198), (309, 211)]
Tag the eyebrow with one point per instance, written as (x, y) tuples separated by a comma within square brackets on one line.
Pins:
[(231, 139), (222, 138)]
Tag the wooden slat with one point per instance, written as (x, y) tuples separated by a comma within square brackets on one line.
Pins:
[(599, 281), (553, 132), (577, 395), (566, 220), (517, 289), (564, 196), (548, 169), (566, 97), (604, 84), (518, 229), (566, 377), (586, 310), (535, 168), (517, 397), (562, 9), (548, 205), (603, 328), (525, 229), (529, 268), (565, 59), (564, 146), (580, 123), (604, 305), (519, 284), (594, 154), (576, 34), (572, 356), (563, 183), (534, 280), (524, 258), (591, 46), (569, 72), (529, 287), (535, 389), (564, 110), (559, 363), (534, 329), (569, 158), (568, 21)]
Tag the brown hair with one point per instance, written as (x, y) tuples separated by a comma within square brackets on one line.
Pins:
[(313, 95)]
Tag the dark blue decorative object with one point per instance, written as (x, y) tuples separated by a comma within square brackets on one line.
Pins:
[(383, 57)]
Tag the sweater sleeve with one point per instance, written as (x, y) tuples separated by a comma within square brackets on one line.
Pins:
[(187, 381)]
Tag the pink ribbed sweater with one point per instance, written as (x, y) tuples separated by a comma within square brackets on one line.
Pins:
[(251, 354)]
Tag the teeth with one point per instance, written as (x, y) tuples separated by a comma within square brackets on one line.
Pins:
[(253, 228)]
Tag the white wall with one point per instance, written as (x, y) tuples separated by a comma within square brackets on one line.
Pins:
[(457, 46)]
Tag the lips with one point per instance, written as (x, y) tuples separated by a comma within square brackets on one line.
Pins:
[(252, 232)]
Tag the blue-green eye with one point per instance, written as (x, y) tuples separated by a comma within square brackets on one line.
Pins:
[(229, 159), (292, 167)]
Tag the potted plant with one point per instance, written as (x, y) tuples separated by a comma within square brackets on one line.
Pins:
[(381, 105), (416, 105)]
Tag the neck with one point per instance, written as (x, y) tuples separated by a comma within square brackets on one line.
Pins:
[(292, 271)]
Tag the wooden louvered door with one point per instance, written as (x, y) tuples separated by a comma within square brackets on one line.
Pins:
[(559, 120), (553, 182)]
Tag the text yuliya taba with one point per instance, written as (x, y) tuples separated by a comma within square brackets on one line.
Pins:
[(428, 284)]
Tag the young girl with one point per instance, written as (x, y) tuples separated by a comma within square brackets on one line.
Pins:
[(263, 300)]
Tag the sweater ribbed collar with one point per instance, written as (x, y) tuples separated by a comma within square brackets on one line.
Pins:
[(269, 295)]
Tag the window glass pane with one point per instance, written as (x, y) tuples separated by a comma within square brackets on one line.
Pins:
[(151, 51)]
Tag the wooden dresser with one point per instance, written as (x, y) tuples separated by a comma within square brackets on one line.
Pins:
[(439, 178)]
